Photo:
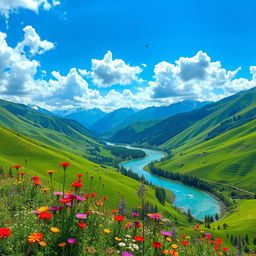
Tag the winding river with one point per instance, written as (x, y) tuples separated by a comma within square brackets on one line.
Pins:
[(199, 202)]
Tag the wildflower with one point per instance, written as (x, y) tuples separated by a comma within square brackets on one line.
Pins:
[(62, 244), (118, 239), (22, 173), (122, 244), (54, 230), (90, 249), (37, 182), (156, 245), (185, 242), (77, 185), (50, 172), (174, 246), (43, 243), (174, 252), (165, 233), (106, 231), (43, 209), (35, 238), (58, 193), (35, 178), (81, 216), (110, 251), (45, 216), (17, 167), (139, 238), (119, 218), (71, 240), (5, 233), (93, 195), (79, 175), (81, 225), (79, 180), (155, 216), (115, 211), (100, 203), (225, 249), (126, 254), (135, 214), (64, 164)]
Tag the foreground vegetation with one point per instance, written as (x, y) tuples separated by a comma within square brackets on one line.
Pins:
[(38, 220)]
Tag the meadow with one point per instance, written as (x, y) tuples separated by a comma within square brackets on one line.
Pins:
[(77, 219)]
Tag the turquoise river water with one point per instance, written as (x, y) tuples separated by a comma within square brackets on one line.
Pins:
[(199, 202)]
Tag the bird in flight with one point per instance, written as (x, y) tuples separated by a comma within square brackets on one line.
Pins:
[(147, 45)]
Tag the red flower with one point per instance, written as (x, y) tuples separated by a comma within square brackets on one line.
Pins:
[(87, 196), (22, 173), (139, 238), (65, 200), (225, 249), (77, 185), (119, 218), (93, 194), (5, 232), (185, 242), (81, 225), (88, 212), (216, 247), (17, 166), (104, 197), (79, 175), (50, 172), (79, 180), (35, 178), (64, 164), (45, 216), (156, 244)]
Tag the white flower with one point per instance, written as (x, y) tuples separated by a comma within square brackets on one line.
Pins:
[(122, 244)]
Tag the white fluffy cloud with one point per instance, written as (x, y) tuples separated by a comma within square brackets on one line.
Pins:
[(195, 78), (17, 71), (33, 42), (108, 72), (198, 78), (7, 6)]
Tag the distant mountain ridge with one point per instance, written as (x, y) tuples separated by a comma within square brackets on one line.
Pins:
[(190, 126)]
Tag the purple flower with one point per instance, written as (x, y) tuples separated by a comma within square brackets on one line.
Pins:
[(56, 208), (71, 240), (81, 216), (165, 233), (135, 214), (36, 212), (126, 254), (208, 234)]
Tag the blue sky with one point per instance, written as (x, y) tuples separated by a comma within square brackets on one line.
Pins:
[(82, 30)]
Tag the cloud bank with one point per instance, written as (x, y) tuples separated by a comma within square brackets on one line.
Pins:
[(196, 77)]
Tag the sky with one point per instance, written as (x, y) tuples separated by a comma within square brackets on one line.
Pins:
[(109, 54)]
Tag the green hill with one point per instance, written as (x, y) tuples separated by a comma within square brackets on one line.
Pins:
[(228, 158), (16, 148), (58, 132)]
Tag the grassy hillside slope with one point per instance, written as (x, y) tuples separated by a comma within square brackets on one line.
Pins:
[(229, 158), (16, 148)]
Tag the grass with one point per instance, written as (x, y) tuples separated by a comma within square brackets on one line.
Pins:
[(16, 149), (228, 158), (35, 221)]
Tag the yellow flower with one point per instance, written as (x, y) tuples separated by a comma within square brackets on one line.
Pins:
[(168, 239), (174, 246), (43, 243), (106, 231), (202, 231), (188, 237), (54, 230), (118, 239), (43, 209)]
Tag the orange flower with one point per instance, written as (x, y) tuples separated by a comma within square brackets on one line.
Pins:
[(35, 238), (62, 244), (100, 203)]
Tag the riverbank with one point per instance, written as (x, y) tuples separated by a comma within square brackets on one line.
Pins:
[(186, 197)]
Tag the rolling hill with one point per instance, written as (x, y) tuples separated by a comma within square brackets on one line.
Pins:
[(39, 157)]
